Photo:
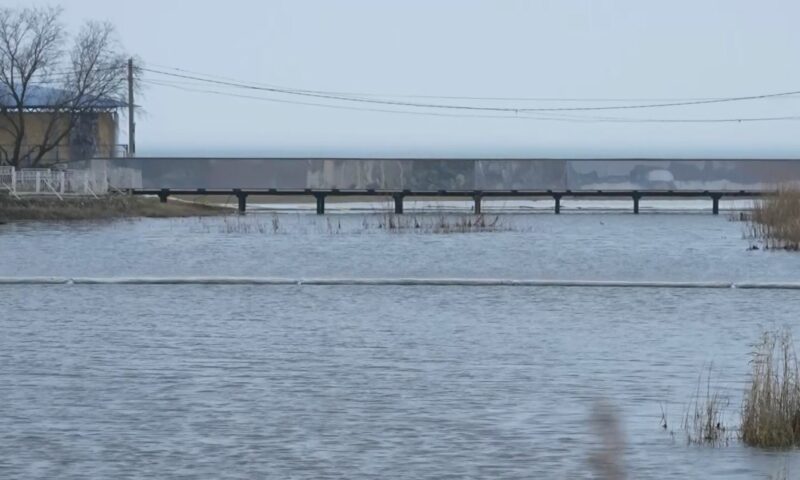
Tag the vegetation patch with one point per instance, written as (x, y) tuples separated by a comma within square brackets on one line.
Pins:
[(704, 419), (439, 224), (775, 220), (771, 408), (343, 224)]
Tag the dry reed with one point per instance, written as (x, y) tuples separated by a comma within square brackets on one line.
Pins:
[(441, 224), (775, 220), (771, 408), (704, 419), (240, 224), (333, 225)]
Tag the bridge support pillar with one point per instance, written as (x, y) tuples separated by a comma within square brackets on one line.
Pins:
[(163, 194), (557, 198), (477, 198), (242, 197), (398, 203), (636, 197), (715, 205), (320, 203)]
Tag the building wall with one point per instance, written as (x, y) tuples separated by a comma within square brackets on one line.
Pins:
[(95, 135)]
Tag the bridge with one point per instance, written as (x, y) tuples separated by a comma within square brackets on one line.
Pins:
[(474, 178)]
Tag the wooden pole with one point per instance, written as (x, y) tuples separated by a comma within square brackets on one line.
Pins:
[(131, 122)]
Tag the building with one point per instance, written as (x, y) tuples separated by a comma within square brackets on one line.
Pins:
[(93, 134)]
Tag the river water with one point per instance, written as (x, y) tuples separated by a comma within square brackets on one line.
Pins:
[(302, 381)]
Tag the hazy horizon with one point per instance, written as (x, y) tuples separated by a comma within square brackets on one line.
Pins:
[(456, 152), (581, 49)]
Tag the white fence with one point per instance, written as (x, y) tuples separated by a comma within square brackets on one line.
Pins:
[(34, 181), (7, 178)]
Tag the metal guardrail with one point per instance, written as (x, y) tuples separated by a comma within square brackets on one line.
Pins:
[(42, 181)]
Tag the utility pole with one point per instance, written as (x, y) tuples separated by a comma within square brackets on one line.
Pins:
[(131, 122)]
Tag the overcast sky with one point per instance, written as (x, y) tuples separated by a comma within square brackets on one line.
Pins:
[(626, 49)]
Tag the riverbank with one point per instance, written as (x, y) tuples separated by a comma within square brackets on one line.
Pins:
[(103, 208)]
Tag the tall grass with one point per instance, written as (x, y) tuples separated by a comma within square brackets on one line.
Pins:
[(771, 408), (333, 224), (776, 220), (704, 419), (439, 224), (241, 224)]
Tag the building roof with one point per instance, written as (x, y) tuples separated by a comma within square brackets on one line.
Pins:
[(44, 98)]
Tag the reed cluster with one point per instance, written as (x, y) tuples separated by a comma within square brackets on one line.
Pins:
[(239, 224), (334, 224), (771, 407), (439, 224), (704, 419), (775, 220)]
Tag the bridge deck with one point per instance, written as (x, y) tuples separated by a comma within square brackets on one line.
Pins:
[(476, 195)]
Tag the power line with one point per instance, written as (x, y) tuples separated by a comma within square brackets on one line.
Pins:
[(443, 97), (448, 97), (551, 117), (471, 107), (342, 107)]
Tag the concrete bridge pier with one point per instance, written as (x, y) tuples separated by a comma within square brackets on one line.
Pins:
[(320, 203), (557, 198), (715, 202), (477, 198), (163, 195), (398, 203), (636, 197), (242, 197)]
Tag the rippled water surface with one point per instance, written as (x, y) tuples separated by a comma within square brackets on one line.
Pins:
[(689, 247), (115, 381)]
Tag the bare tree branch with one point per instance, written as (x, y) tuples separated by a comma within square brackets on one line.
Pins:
[(29, 46), (92, 79)]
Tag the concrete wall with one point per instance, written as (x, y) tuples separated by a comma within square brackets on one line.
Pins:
[(459, 174)]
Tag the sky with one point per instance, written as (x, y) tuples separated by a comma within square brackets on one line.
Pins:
[(617, 50)]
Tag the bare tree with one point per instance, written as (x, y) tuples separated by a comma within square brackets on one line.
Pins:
[(66, 83)]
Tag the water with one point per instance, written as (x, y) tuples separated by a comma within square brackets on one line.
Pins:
[(123, 381), (670, 247)]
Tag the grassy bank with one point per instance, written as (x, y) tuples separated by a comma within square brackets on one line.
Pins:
[(107, 207)]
